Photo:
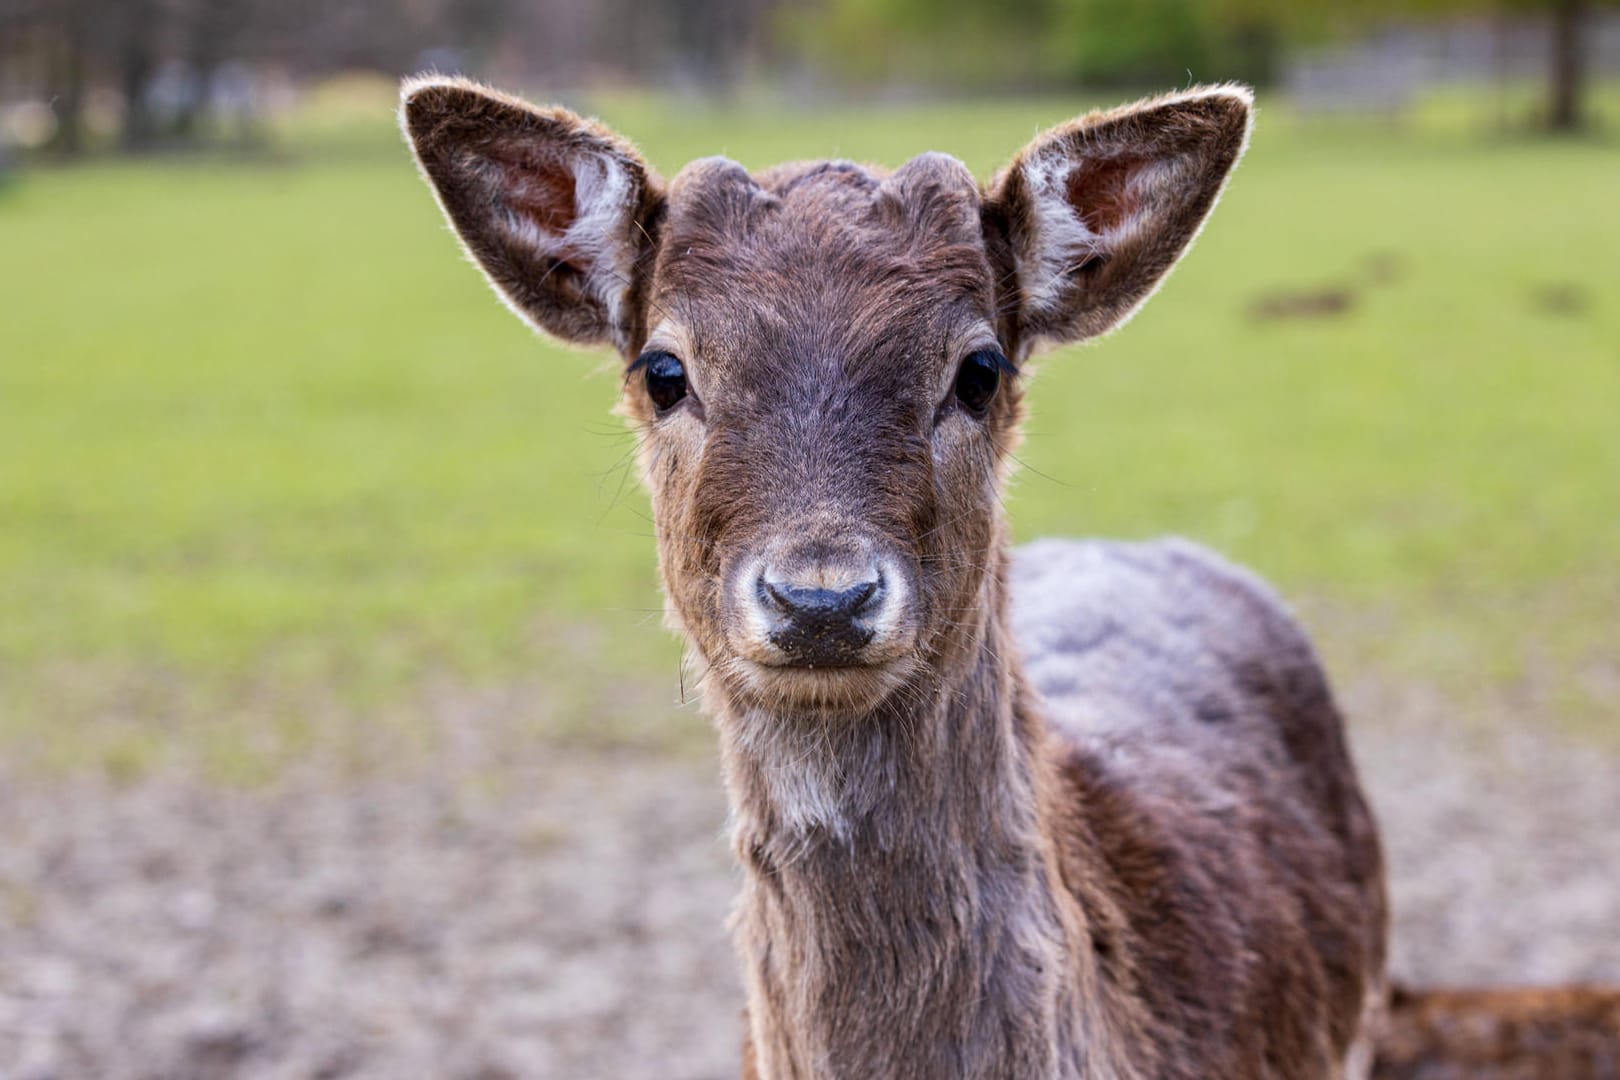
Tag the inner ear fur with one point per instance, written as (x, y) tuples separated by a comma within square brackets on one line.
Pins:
[(559, 212), (1089, 218)]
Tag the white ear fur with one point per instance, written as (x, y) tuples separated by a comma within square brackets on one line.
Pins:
[(1064, 242), (603, 200), (1061, 238)]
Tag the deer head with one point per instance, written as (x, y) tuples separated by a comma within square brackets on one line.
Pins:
[(823, 359)]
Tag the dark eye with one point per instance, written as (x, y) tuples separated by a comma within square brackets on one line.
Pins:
[(665, 377), (978, 379)]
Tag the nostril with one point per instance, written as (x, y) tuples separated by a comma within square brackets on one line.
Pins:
[(815, 602), (770, 594), (859, 598)]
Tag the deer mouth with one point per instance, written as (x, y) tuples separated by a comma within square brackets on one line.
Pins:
[(847, 687)]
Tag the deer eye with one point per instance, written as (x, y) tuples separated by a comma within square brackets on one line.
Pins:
[(978, 379), (665, 379)]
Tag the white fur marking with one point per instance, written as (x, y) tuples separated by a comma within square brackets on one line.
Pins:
[(1062, 239), (594, 241), (800, 774)]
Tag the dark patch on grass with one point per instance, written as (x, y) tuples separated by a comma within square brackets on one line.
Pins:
[(1384, 267), (1325, 303), (1564, 299)]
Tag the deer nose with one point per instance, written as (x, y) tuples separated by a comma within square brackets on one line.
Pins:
[(815, 625)]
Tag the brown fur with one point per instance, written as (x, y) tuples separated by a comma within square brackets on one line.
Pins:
[(1571, 1033), (1088, 813)]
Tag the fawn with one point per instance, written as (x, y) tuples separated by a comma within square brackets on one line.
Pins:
[(1083, 810)]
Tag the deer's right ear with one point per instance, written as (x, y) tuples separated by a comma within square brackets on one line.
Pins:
[(557, 211), (1090, 217)]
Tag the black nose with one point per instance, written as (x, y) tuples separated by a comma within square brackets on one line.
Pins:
[(819, 626)]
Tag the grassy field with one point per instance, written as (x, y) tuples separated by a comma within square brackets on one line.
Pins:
[(273, 462)]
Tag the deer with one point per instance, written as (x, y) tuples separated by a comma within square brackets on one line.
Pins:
[(1085, 809)]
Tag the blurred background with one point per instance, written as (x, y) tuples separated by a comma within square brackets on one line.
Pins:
[(338, 733)]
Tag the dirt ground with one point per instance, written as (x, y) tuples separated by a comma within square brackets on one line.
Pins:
[(560, 912)]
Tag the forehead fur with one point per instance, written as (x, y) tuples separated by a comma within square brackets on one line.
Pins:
[(828, 240)]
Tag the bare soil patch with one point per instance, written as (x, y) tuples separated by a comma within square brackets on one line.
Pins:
[(560, 912)]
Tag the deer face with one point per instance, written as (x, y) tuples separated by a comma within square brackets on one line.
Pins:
[(824, 477), (822, 359)]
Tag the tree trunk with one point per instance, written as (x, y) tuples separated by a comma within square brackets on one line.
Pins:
[(1568, 66), (1501, 68), (70, 88), (139, 63)]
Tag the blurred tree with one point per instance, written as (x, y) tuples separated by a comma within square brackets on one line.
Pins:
[(1568, 23), (47, 49), (957, 43), (1145, 42), (163, 58), (1566, 111), (130, 30), (1034, 42), (211, 33), (71, 76), (1118, 41), (1567, 72)]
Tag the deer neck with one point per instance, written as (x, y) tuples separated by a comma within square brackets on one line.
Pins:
[(902, 912)]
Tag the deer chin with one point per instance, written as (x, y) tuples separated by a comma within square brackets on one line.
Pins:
[(795, 688)]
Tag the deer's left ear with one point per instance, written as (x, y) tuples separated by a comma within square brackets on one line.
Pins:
[(1088, 219)]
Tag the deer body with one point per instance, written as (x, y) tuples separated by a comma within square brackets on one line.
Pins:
[(1083, 853), (1137, 848)]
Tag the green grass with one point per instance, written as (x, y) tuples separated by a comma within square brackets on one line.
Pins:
[(269, 449)]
